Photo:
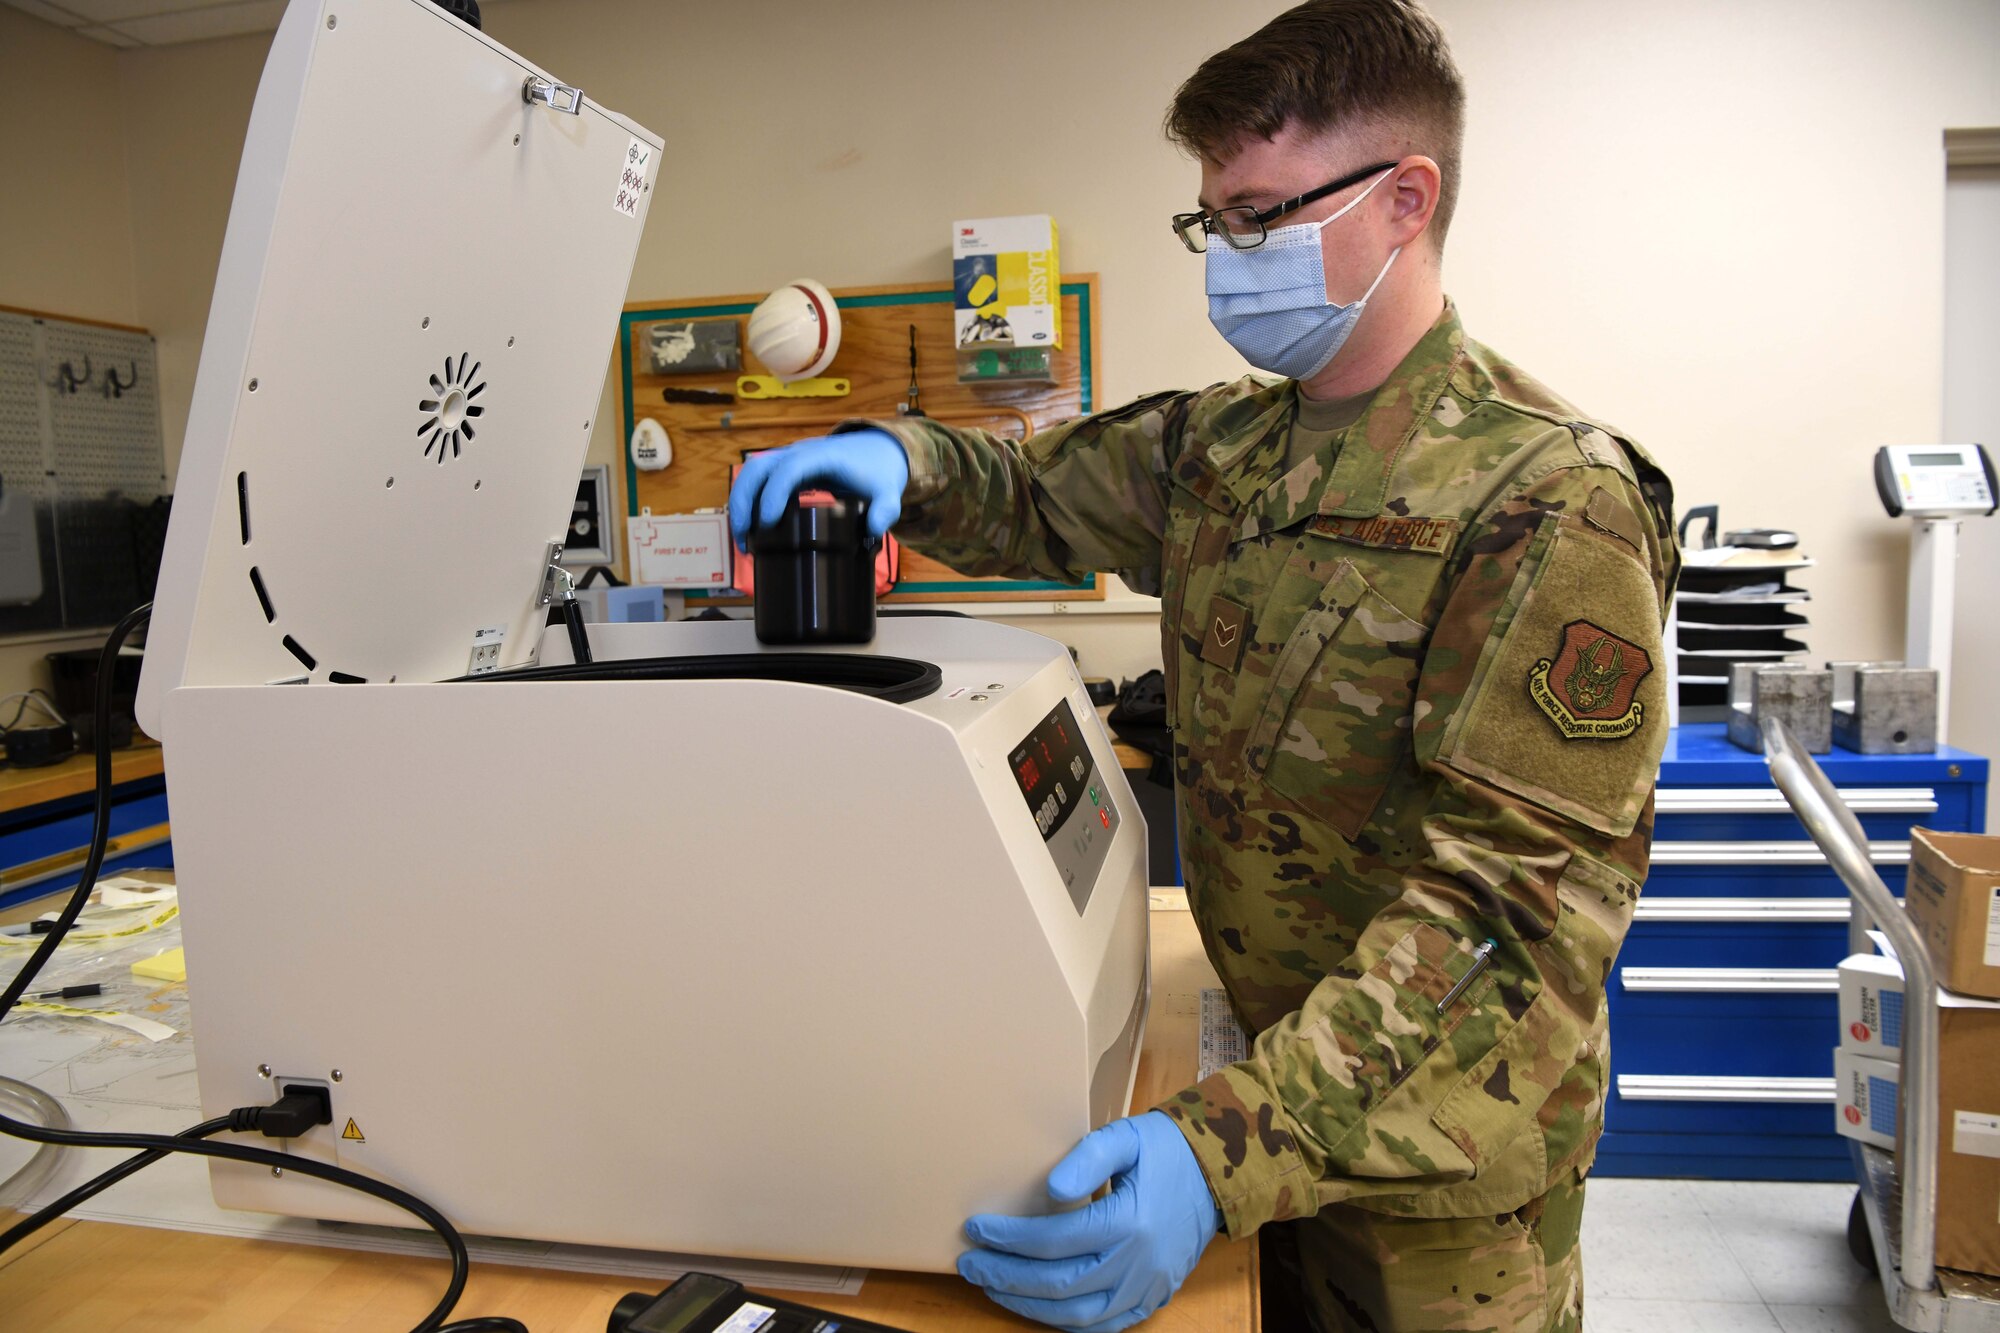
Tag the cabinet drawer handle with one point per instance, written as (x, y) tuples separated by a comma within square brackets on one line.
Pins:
[(1743, 909), (1769, 800), (1722, 1088), (1792, 852), (1746, 980)]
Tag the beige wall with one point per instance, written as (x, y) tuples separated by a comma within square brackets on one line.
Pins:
[(1721, 225), (65, 211), (1718, 224), (181, 157)]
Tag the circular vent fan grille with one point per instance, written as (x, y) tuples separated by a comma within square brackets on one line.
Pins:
[(448, 408)]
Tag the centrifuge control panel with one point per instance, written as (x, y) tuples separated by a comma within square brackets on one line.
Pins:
[(1071, 808)]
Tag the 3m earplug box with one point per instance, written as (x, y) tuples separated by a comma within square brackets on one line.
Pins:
[(1953, 900), (1006, 284), (1865, 1097), (1871, 1006)]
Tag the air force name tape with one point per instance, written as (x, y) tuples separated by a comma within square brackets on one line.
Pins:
[(1388, 532)]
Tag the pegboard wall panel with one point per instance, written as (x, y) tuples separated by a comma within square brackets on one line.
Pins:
[(83, 472), (21, 449), (107, 429)]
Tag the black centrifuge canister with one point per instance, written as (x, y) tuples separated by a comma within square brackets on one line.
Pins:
[(816, 573)]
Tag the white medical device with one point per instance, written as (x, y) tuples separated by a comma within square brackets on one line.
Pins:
[(822, 952), (1936, 486), (1934, 480)]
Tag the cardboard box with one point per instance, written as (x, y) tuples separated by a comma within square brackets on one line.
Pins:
[(1953, 900), (1871, 1006), (1968, 1210), (1865, 1097), (1968, 1123)]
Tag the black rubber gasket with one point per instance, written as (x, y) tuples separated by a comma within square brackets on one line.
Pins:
[(896, 680)]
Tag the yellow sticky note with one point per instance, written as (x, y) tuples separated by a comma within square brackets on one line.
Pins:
[(170, 965)]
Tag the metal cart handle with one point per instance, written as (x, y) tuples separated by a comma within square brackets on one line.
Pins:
[(1834, 827)]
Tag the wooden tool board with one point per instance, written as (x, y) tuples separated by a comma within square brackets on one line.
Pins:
[(874, 357)]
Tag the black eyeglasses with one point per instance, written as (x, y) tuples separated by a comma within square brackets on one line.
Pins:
[(1243, 228)]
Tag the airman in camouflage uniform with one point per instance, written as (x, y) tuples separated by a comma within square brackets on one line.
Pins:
[(1411, 613), (1417, 695)]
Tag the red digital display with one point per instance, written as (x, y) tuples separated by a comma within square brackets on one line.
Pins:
[(1053, 769)]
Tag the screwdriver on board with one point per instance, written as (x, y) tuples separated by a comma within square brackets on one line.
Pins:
[(911, 408)]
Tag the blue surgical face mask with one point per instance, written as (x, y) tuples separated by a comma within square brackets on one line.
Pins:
[(1271, 302)]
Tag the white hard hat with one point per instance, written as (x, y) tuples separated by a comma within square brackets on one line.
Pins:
[(796, 330)]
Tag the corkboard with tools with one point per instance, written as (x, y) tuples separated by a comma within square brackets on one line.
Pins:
[(710, 437)]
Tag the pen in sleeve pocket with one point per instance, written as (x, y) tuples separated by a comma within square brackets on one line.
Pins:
[(1480, 957)]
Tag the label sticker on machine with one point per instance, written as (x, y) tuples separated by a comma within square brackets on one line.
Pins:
[(747, 1319), (1975, 1134), (632, 181)]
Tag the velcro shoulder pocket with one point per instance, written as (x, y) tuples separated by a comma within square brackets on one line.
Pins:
[(1567, 707)]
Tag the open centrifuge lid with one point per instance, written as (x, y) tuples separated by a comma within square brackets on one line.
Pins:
[(419, 285)]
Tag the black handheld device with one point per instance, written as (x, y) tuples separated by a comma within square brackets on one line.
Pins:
[(705, 1303)]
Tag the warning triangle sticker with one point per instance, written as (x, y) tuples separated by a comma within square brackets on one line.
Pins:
[(353, 1132)]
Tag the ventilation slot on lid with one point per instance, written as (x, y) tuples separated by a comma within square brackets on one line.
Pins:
[(447, 410), (263, 597)]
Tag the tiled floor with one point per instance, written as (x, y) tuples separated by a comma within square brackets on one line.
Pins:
[(1677, 1256)]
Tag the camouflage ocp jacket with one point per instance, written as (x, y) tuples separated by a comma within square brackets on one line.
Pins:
[(1418, 706)]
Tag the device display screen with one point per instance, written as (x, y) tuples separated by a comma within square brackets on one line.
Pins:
[(1936, 460), (1051, 767), (686, 1302)]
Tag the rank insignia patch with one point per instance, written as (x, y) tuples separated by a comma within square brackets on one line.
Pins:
[(1587, 689), (1222, 644)]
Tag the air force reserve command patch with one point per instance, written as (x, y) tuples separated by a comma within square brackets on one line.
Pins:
[(1587, 689)]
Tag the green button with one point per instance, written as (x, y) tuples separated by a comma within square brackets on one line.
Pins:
[(1093, 797)]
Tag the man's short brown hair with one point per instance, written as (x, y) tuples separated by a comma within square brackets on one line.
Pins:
[(1329, 63)]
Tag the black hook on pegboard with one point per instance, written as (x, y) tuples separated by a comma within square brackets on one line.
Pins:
[(68, 380), (114, 387)]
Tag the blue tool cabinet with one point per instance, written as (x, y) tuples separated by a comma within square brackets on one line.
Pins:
[(1723, 1000)]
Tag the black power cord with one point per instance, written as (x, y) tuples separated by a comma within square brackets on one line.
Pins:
[(289, 1116), (100, 826)]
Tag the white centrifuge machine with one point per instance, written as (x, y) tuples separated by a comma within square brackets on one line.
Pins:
[(703, 947)]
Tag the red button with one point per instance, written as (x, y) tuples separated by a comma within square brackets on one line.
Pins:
[(1105, 815)]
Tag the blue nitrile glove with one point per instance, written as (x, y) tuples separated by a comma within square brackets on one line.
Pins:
[(1113, 1262), (868, 463)]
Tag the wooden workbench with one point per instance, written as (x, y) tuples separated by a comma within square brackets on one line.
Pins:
[(95, 1277), (23, 787)]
